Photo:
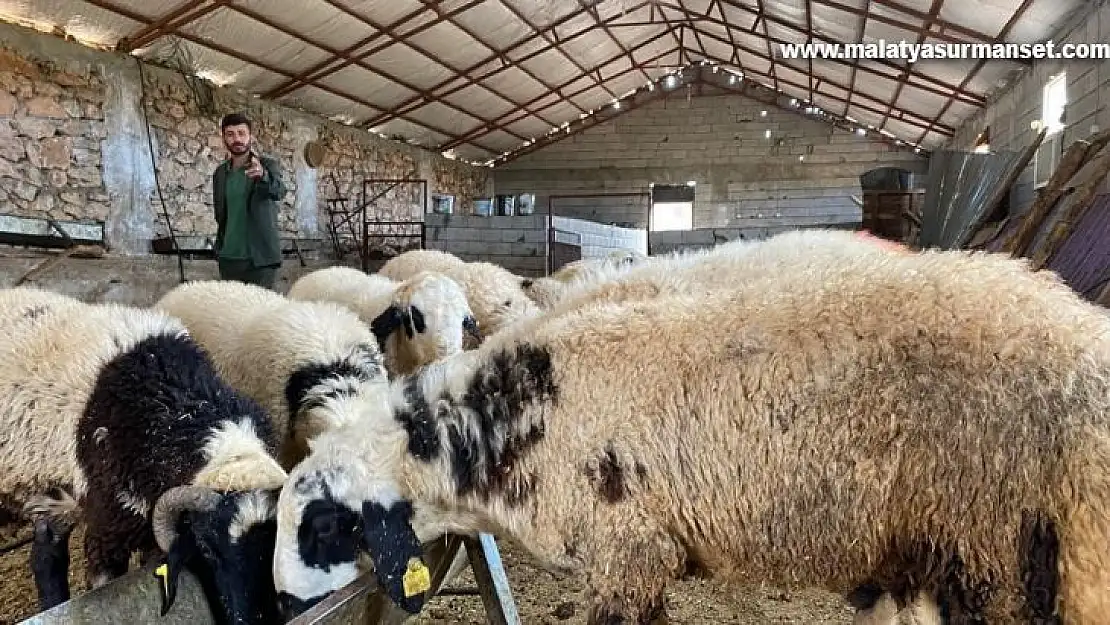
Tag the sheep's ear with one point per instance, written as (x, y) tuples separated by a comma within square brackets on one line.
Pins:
[(418, 322), (398, 558), (384, 324), (182, 550)]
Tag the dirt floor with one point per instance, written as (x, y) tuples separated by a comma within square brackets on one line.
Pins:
[(541, 598)]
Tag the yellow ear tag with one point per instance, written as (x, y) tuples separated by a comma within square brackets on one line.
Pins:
[(417, 578), (163, 572)]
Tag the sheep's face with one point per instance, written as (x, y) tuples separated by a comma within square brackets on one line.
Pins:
[(430, 319), (228, 543), (330, 514)]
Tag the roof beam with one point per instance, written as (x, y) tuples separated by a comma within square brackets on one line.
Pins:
[(930, 19), (879, 101), (944, 90), (187, 12), (934, 13), (928, 83), (389, 76), (470, 135), (594, 120), (416, 102), (314, 74), (1002, 34), (110, 6), (470, 79), (852, 71), (594, 13), (873, 109), (559, 48)]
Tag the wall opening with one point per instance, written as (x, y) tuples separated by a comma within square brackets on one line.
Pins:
[(1053, 102), (672, 207)]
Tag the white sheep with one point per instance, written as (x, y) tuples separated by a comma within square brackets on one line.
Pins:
[(416, 321), (312, 365), (413, 262), (495, 294), (547, 291), (109, 411), (933, 423)]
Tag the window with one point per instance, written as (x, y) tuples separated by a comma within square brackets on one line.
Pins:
[(672, 216), (672, 207), (1054, 100)]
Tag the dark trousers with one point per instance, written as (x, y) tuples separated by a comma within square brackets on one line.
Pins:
[(246, 271)]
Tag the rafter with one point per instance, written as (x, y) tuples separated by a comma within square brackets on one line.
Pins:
[(110, 6), (934, 13), (1002, 34), (593, 12), (559, 48), (518, 116), (904, 116), (925, 82), (186, 13), (852, 74), (416, 102), (944, 89), (470, 79), (314, 73)]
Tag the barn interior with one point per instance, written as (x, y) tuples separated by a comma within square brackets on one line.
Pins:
[(535, 133)]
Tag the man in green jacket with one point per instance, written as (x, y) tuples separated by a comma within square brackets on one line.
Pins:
[(246, 192)]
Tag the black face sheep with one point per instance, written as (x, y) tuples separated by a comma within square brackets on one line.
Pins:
[(933, 423), (107, 409), (312, 365), (416, 321)]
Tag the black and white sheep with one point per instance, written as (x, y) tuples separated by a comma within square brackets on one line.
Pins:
[(416, 321), (312, 365), (495, 294), (934, 423), (113, 414)]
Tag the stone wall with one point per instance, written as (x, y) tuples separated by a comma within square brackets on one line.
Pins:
[(73, 146)]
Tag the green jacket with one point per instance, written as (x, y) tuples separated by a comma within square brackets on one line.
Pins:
[(263, 206)]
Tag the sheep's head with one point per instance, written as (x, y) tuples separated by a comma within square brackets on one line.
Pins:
[(430, 318), (227, 541), (336, 510)]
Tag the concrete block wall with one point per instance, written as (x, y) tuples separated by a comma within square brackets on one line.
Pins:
[(1010, 113), (719, 142), (517, 243), (599, 240)]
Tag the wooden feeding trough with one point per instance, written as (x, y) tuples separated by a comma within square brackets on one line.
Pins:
[(135, 598)]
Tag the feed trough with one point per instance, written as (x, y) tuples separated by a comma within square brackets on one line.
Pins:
[(135, 598)]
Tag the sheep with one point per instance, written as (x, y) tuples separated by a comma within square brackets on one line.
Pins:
[(495, 294), (934, 423), (414, 261), (112, 413), (311, 365), (417, 321), (749, 263), (548, 290)]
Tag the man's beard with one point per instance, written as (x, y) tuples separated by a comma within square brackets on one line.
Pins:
[(238, 149)]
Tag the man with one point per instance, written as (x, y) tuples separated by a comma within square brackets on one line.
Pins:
[(246, 192)]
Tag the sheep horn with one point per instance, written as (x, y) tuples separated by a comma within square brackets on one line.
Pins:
[(172, 503)]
